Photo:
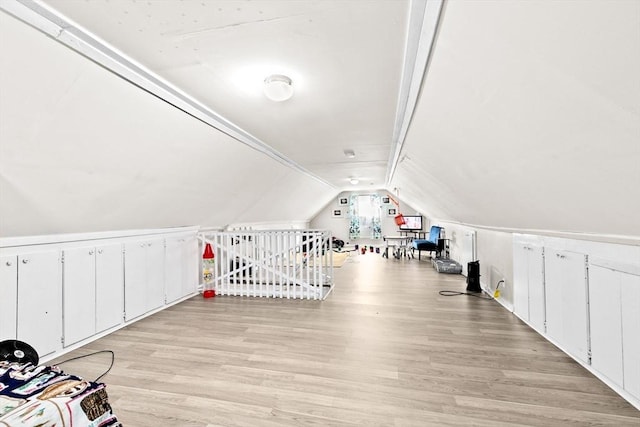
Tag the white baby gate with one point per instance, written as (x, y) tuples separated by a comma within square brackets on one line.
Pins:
[(274, 263)]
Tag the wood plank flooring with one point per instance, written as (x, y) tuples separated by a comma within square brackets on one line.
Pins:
[(383, 350)]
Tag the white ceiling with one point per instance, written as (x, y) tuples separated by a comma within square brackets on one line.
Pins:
[(345, 59)]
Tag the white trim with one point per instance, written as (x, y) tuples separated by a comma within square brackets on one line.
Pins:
[(109, 331), (615, 387), (622, 267), (423, 24), (592, 237), (10, 242), (486, 289)]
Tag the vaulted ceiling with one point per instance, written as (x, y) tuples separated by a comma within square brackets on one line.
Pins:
[(511, 115), (345, 59)]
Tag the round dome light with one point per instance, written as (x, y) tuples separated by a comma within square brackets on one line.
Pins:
[(278, 88)]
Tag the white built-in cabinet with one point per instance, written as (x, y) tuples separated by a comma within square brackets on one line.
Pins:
[(614, 298), (529, 286), (39, 300), (61, 291), (566, 301), (109, 286), (93, 286), (31, 299), (143, 277), (181, 273), (79, 294), (585, 298), (8, 296), (630, 315)]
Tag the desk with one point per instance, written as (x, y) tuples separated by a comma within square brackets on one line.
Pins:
[(45, 396), (399, 245), (415, 234)]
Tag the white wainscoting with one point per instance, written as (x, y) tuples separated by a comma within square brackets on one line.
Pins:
[(590, 307), (63, 291)]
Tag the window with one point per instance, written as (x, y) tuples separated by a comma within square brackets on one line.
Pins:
[(364, 213)]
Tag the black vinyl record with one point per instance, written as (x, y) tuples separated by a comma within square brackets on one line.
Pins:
[(18, 351)]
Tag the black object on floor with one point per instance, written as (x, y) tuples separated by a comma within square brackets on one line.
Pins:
[(473, 277), (19, 352)]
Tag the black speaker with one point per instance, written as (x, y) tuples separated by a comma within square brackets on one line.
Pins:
[(473, 277)]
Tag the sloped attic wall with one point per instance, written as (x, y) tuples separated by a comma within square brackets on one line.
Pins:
[(83, 150), (529, 118)]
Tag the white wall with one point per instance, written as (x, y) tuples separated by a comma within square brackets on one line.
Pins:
[(83, 150), (529, 118), (340, 226), (494, 251)]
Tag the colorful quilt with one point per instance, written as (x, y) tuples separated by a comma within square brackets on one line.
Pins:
[(44, 396)]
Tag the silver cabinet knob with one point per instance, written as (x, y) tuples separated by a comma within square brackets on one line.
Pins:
[(90, 252), (25, 261), (99, 251), (9, 264)]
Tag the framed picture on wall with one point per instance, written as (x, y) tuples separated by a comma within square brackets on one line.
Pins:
[(343, 201), (337, 213), (391, 212), (385, 200)]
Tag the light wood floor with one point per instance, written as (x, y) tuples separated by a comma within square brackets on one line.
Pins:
[(383, 350)]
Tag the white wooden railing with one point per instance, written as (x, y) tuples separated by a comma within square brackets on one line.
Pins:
[(274, 263)]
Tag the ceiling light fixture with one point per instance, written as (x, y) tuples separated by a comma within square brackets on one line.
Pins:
[(354, 181), (349, 153), (278, 87)]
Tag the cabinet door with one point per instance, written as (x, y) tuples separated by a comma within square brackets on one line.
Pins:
[(109, 286), (181, 267), (40, 301), (537, 311), (554, 279), (605, 322), (521, 280), (630, 302), (155, 274), (528, 284), (9, 296), (191, 269), (174, 257), (566, 301), (135, 279), (79, 294), (144, 277)]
